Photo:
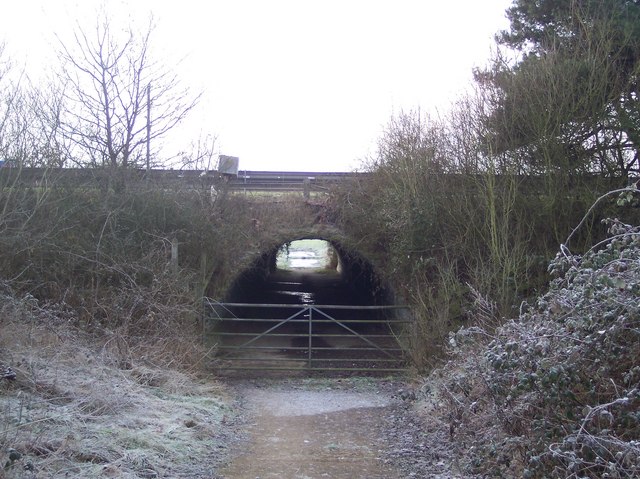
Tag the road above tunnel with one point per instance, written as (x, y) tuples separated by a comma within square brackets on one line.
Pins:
[(357, 427)]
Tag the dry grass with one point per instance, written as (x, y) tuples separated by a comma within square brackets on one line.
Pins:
[(77, 410)]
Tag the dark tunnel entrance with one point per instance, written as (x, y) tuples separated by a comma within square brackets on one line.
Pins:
[(309, 304), (309, 271)]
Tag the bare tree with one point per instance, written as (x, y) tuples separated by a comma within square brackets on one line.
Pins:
[(202, 154), (10, 97), (118, 100)]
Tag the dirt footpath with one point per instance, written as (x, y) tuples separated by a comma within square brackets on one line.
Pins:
[(334, 428)]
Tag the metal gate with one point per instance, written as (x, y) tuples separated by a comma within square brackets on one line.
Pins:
[(286, 337)]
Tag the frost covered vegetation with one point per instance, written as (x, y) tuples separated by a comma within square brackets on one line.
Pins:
[(556, 392), (465, 211), (104, 333), (83, 405), (461, 214)]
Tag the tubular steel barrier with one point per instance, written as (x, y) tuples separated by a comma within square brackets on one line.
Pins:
[(282, 337)]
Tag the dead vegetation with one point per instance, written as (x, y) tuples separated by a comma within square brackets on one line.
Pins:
[(104, 332), (103, 329), (83, 406)]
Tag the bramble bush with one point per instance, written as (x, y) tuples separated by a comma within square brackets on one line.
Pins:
[(556, 392)]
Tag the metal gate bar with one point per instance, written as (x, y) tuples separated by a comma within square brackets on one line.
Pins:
[(272, 328), (317, 357), (345, 327)]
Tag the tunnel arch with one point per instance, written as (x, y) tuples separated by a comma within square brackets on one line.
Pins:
[(342, 319), (367, 284)]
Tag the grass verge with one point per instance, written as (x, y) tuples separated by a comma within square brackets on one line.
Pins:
[(75, 409)]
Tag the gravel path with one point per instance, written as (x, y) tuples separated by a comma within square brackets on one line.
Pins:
[(334, 428)]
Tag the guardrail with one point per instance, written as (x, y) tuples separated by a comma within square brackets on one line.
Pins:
[(246, 180), (306, 182)]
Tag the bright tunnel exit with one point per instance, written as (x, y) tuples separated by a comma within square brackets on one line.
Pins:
[(307, 254)]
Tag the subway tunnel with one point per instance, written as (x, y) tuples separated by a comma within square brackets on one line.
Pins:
[(312, 304)]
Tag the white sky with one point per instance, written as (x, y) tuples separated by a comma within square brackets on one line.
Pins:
[(290, 84)]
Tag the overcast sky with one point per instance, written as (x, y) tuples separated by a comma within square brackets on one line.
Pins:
[(290, 84)]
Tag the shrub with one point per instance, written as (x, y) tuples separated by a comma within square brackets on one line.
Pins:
[(556, 392), (442, 219)]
